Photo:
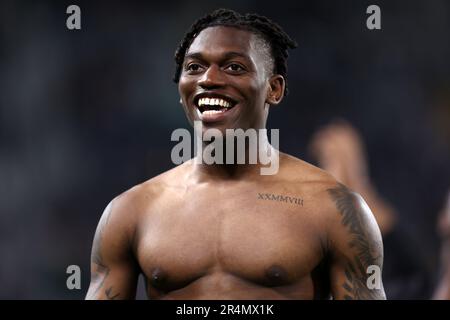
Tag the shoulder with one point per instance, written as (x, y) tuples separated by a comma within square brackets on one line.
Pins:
[(333, 203), (132, 203), (348, 227), (312, 181)]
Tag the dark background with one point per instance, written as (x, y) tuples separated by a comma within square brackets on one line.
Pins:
[(87, 114)]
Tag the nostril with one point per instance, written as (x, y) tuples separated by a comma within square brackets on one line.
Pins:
[(209, 85)]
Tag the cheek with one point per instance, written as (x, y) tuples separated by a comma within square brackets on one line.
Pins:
[(185, 87), (185, 90), (257, 92)]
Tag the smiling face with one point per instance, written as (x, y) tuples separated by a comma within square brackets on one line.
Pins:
[(226, 80)]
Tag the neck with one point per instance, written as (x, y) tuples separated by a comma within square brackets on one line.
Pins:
[(228, 166)]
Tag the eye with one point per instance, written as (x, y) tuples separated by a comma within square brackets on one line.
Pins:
[(193, 67), (235, 67)]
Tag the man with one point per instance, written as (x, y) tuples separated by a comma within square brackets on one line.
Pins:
[(224, 231)]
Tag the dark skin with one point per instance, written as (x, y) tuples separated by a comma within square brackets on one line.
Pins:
[(224, 231)]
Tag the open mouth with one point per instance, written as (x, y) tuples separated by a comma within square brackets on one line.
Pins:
[(214, 105)]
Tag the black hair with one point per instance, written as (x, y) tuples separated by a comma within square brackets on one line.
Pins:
[(271, 32)]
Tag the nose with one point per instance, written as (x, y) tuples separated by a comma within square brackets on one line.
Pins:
[(212, 78)]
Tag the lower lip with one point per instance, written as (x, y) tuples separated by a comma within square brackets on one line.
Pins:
[(215, 117)]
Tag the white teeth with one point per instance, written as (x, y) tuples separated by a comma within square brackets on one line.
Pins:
[(213, 102), (206, 112)]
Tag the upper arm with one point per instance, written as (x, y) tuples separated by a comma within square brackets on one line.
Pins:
[(355, 247), (114, 271)]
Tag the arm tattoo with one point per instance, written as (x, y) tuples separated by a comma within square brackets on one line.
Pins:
[(367, 252), (110, 295), (99, 277)]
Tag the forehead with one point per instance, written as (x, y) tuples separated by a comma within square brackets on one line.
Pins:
[(221, 39)]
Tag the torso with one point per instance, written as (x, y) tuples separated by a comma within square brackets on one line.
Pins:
[(261, 239)]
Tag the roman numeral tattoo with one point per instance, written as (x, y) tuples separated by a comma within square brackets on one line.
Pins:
[(280, 198)]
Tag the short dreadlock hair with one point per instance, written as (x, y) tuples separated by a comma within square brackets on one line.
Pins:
[(278, 41)]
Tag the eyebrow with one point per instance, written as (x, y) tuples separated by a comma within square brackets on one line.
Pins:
[(226, 56)]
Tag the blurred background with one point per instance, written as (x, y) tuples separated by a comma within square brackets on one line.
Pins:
[(87, 114)]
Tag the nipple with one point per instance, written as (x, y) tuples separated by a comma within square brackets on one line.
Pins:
[(158, 277), (276, 275)]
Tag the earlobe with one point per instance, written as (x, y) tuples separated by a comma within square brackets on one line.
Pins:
[(273, 98), (276, 90)]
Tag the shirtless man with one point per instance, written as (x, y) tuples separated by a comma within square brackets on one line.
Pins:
[(219, 231)]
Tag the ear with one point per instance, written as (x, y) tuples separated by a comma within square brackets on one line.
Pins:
[(276, 89)]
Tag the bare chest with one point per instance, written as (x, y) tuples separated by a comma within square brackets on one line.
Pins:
[(265, 238)]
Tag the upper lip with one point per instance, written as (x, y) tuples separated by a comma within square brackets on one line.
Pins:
[(212, 94)]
